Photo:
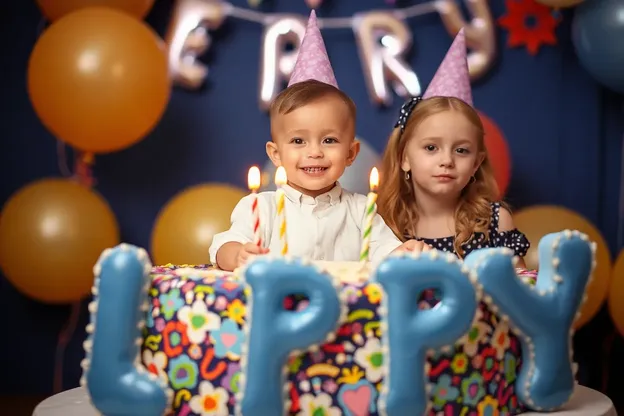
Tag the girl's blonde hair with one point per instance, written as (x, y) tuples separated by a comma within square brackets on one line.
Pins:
[(396, 203)]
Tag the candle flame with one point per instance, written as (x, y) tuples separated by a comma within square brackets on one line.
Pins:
[(253, 178), (374, 179), (280, 176)]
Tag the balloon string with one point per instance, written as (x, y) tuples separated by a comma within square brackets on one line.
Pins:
[(606, 361), (61, 156), (84, 169), (41, 26), (65, 336), (334, 22), (620, 237)]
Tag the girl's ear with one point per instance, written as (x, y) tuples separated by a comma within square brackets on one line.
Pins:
[(479, 161), (273, 153), (405, 165)]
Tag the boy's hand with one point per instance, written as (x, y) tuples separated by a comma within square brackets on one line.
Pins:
[(414, 246), (247, 251)]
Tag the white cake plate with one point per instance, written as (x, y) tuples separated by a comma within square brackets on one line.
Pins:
[(75, 402)]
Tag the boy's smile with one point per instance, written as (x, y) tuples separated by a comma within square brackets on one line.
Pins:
[(314, 143)]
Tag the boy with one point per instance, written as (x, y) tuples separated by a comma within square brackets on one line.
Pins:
[(313, 132)]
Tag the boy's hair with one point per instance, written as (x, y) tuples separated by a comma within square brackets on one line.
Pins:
[(305, 92), (396, 203)]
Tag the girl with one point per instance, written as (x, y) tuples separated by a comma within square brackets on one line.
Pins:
[(439, 187), (440, 190)]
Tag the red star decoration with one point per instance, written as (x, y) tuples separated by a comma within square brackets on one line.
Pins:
[(530, 24)]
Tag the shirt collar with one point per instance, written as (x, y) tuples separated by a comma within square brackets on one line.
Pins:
[(332, 196)]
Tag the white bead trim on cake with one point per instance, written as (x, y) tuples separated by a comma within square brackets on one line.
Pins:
[(331, 336), (557, 279), (91, 328), (383, 316)]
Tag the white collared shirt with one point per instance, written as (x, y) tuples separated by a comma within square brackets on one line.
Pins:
[(325, 228)]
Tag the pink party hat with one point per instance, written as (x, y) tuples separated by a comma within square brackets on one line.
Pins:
[(312, 60), (452, 78)]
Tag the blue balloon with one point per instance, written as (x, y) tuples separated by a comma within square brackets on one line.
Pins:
[(598, 37), (274, 333), (409, 332), (544, 314), (117, 385), (355, 177)]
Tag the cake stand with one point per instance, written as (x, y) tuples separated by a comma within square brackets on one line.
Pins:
[(75, 402)]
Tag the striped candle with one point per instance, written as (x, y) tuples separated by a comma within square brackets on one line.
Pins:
[(371, 211), (253, 182), (280, 180)]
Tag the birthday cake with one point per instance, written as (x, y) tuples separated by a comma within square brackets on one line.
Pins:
[(348, 341)]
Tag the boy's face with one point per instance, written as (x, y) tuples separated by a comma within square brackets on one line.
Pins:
[(314, 144)]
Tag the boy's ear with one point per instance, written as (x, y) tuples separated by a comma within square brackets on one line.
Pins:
[(354, 150), (273, 153)]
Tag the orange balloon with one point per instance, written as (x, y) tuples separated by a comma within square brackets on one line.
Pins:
[(98, 79), (616, 293), (537, 221), (55, 9), (52, 233), (185, 226)]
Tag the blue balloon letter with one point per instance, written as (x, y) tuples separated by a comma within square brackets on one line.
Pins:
[(274, 332), (544, 314), (408, 332), (119, 385)]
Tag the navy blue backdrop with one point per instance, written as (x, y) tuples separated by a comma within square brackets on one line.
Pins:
[(564, 133)]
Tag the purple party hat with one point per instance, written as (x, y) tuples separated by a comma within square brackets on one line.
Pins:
[(312, 60), (452, 78)]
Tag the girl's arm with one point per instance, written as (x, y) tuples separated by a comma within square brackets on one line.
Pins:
[(506, 223)]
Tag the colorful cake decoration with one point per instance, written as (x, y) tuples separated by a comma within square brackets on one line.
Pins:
[(118, 383), (274, 334), (542, 315), (226, 344), (312, 60), (452, 78), (409, 332)]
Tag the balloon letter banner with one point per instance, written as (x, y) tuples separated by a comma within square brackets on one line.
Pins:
[(188, 39), (116, 380), (543, 314), (273, 332), (383, 40), (408, 332), (480, 32), (278, 63)]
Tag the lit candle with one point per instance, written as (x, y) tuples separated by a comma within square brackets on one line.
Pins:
[(280, 180), (253, 181), (371, 211)]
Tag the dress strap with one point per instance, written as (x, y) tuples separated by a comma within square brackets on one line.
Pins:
[(494, 219)]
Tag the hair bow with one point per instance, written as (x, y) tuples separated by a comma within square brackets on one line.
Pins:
[(406, 110)]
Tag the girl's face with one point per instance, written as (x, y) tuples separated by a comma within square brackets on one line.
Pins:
[(442, 154)]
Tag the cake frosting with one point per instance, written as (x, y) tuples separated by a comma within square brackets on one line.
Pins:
[(349, 339)]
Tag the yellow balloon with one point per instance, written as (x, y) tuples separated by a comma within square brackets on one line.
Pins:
[(185, 226), (616, 292), (52, 233), (537, 221), (560, 4)]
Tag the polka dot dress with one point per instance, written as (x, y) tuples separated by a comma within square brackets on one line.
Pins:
[(490, 354), (512, 239)]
